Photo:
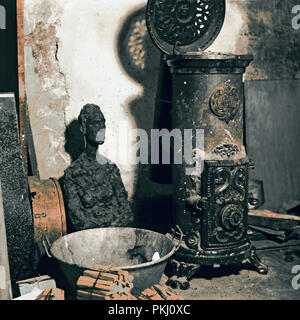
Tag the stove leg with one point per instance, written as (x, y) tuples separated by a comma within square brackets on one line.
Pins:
[(181, 274), (256, 262)]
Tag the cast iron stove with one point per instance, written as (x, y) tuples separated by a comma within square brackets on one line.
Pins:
[(211, 206)]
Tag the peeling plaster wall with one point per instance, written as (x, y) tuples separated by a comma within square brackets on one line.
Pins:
[(46, 87), (71, 58)]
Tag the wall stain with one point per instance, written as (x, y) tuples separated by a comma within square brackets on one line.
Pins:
[(44, 43), (272, 40)]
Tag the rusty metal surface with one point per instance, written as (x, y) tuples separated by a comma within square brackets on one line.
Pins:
[(212, 207), (208, 94), (26, 139), (218, 226), (184, 25), (48, 210)]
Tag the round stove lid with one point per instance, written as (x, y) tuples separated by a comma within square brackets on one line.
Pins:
[(184, 26)]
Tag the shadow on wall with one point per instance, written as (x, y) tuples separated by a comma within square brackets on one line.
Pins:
[(141, 60), (74, 145)]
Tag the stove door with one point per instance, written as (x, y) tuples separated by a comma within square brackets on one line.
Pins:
[(224, 224)]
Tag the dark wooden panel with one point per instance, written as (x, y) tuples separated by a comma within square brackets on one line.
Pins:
[(273, 137)]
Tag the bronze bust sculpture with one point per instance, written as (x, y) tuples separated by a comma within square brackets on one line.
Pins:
[(95, 194)]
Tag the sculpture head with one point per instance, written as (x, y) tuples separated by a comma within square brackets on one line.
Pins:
[(92, 123)]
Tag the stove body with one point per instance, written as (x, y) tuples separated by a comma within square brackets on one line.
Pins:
[(211, 206)]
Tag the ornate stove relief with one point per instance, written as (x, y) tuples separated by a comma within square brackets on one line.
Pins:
[(225, 102), (226, 151), (182, 21), (232, 224), (222, 211), (227, 194), (230, 185), (184, 26)]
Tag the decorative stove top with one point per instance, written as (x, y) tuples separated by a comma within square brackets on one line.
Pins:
[(184, 25)]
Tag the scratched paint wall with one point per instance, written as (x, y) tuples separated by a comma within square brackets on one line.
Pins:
[(72, 56)]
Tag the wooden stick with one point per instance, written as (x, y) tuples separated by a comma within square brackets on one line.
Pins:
[(167, 295), (105, 283), (270, 219), (47, 294), (150, 294), (91, 282), (163, 293), (96, 292), (89, 296), (108, 270), (102, 275)]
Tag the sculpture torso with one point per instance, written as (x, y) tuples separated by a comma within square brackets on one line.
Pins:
[(96, 196)]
